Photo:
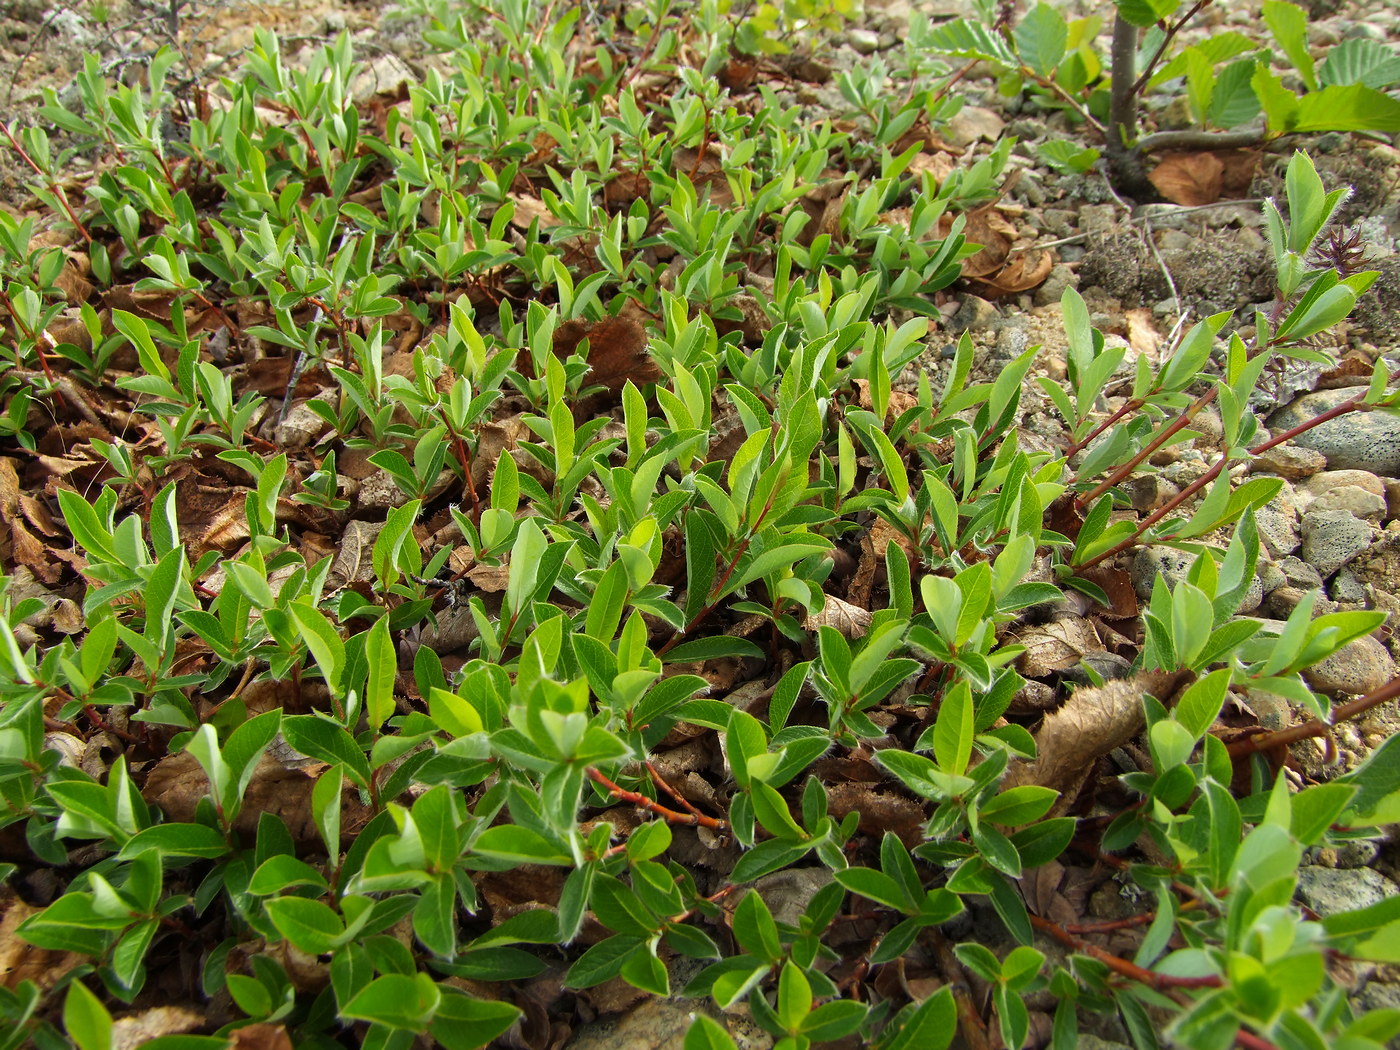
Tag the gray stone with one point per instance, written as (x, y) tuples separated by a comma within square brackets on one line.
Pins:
[(1277, 521), (1151, 562), (1290, 461), (1328, 480), (1332, 538), (1061, 277), (1331, 891), (1273, 711), (1350, 499), (1283, 600), (974, 314), (1357, 668), (1379, 566), (1358, 440), (974, 124), (1347, 587), (1300, 574), (863, 41)]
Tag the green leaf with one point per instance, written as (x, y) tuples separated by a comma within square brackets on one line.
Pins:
[(311, 926), (642, 969), (462, 1022), (1018, 805), (1289, 24), (85, 1019), (953, 732), (713, 648), (1144, 13), (519, 845), (929, 1026), (383, 667), (177, 840), (396, 1000), (1200, 704), (875, 886), (1360, 61), (603, 961), (707, 1034), (284, 872), (1041, 37), (755, 929), (1353, 107), (324, 641), (317, 738)]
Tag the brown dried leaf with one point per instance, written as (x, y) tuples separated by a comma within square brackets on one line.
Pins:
[(177, 783), (1142, 333), (850, 620), (879, 812), (1118, 586), (1054, 646), (1191, 179), (136, 1030), (988, 227), (261, 1037), (1091, 724), (1025, 271), (22, 961)]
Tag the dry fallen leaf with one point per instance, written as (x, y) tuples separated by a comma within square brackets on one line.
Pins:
[(1091, 724), (1189, 178)]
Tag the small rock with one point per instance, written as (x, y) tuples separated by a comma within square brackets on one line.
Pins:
[(1347, 587), (1350, 499), (1359, 667), (1283, 600), (864, 41), (1392, 498), (1290, 461), (1300, 574), (1097, 218), (974, 315), (1333, 538), (1278, 528), (1273, 711), (973, 124), (1328, 480), (1150, 491), (1379, 566), (1358, 440), (1331, 891), (300, 429), (1061, 277), (1151, 562)]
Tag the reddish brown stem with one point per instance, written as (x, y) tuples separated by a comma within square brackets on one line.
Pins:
[(1293, 734), (53, 187), (623, 795), (970, 1024), (1152, 446), (681, 800), (1122, 967), (1351, 404)]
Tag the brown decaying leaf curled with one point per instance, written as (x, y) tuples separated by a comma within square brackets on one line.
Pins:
[(1091, 724)]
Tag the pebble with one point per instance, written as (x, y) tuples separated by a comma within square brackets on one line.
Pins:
[(1334, 479), (1290, 461), (974, 124), (1367, 441), (1331, 538), (863, 41), (1359, 667), (1351, 499), (1061, 277), (1330, 891)]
